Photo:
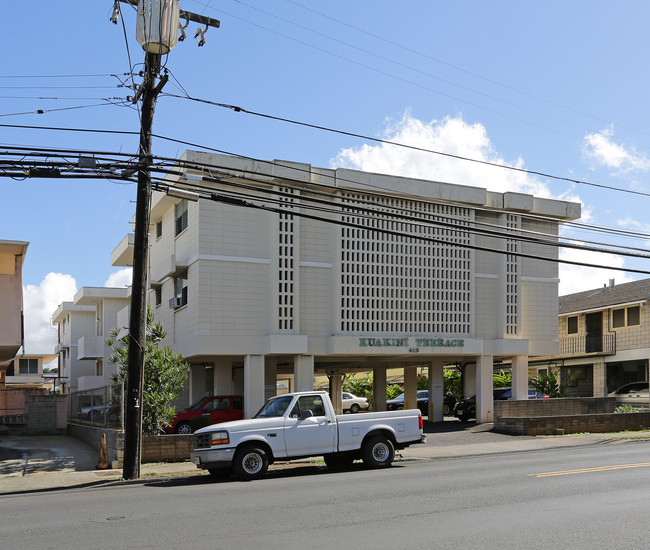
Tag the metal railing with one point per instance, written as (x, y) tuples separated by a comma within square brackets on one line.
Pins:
[(102, 407), (580, 345)]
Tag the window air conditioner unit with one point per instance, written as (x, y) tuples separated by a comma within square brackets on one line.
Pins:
[(175, 303)]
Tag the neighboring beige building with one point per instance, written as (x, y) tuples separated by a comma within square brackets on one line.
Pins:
[(252, 298), (26, 371), (604, 337), (12, 256), (83, 326)]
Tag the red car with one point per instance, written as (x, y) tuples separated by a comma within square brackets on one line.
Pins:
[(220, 408)]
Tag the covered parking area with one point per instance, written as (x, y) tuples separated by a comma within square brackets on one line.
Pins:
[(262, 373)]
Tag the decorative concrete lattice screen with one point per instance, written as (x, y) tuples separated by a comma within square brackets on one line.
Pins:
[(393, 283), (286, 259), (513, 223)]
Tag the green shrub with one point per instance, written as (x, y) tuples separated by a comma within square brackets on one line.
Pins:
[(393, 391), (626, 408)]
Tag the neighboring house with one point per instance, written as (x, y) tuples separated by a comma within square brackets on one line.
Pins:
[(254, 298), (604, 337), (12, 256), (26, 372), (83, 326)]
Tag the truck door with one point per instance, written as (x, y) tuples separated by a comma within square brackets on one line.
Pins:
[(310, 436)]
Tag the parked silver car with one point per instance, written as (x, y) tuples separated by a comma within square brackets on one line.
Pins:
[(636, 394)]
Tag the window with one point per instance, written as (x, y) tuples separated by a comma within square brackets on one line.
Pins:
[(99, 368), (633, 316), (158, 291), (180, 289), (181, 217), (618, 318), (159, 229), (626, 317), (572, 325), (28, 366), (313, 403)]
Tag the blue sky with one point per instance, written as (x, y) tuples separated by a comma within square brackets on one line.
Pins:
[(555, 87)]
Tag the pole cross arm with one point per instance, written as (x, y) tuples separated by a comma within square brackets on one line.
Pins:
[(195, 17)]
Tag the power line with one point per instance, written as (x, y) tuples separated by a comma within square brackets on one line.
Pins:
[(405, 146), (461, 69), (334, 206), (44, 111)]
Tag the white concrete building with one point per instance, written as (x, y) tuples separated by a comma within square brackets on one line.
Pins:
[(251, 296), (83, 326)]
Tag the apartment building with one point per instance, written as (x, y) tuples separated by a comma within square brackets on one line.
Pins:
[(83, 326), (604, 337), (12, 256), (283, 271), (26, 372)]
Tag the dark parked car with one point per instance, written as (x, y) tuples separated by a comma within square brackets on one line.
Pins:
[(220, 408), (423, 403), (634, 393), (466, 408)]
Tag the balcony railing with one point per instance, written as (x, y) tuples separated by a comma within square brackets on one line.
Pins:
[(601, 344)]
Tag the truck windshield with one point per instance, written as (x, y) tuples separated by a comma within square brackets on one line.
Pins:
[(274, 407)]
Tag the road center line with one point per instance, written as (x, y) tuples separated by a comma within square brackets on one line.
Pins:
[(590, 470)]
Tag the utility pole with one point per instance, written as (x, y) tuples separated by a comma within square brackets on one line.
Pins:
[(138, 313), (158, 27)]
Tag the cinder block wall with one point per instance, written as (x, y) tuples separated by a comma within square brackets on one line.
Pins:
[(570, 415), (155, 448), (554, 407), (47, 414)]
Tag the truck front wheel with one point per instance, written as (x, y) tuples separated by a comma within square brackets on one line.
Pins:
[(378, 452), (250, 462)]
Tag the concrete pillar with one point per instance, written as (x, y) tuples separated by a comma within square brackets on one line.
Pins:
[(270, 377), (469, 380), (520, 377), (253, 384), (337, 390), (379, 388), (484, 387), (197, 383), (410, 387), (222, 377), (599, 380), (436, 391), (303, 370)]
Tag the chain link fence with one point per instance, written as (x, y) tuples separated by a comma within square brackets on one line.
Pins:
[(98, 407)]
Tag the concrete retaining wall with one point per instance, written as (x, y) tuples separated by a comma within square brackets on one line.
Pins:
[(557, 425), (565, 416), (155, 448)]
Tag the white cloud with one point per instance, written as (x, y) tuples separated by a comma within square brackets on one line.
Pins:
[(39, 303), (120, 278), (575, 278), (601, 149), (451, 135)]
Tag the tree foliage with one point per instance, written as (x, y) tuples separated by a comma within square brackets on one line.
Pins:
[(165, 374), (551, 385)]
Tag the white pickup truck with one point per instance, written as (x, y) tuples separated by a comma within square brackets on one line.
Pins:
[(303, 424)]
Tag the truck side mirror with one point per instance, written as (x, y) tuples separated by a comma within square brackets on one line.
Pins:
[(306, 414)]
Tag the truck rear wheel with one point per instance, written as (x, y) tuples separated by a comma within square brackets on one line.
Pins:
[(250, 462), (378, 452)]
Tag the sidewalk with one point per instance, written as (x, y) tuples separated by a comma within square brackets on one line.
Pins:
[(40, 463)]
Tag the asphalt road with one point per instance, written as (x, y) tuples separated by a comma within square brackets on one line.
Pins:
[(588, 497)]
